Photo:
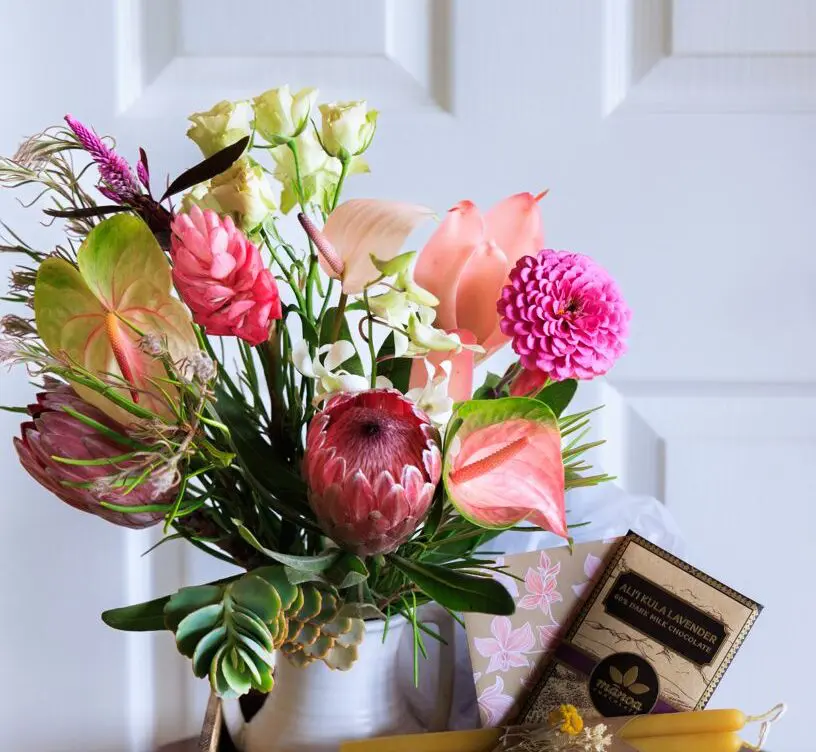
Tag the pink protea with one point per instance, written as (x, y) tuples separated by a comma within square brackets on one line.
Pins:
[(565, 315), (53, 432), (372, 464), (220, 275)]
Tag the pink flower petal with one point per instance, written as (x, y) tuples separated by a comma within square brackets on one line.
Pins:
[(361, 227), (460, 386), (442, 260), (480, 282), (528, 486)]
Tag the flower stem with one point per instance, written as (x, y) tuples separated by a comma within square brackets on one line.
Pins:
[(344, 168), (339, 316), (371, 349)]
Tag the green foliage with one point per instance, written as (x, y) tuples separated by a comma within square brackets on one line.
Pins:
[(456, 590), (558, 395), (397, 370)]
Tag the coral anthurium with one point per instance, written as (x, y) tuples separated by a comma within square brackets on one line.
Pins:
[(504, 465), (469, 257), (372, 464), (93, 315)]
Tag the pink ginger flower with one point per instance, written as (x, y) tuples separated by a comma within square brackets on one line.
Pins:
[(508, 647), (494, 704), (565, 315), (372, 464), (220, 275), (541, 583)]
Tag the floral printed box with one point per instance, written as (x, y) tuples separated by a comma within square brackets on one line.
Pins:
[(508, 653)]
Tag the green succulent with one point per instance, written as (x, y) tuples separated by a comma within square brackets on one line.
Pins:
[(318, 631), (231, 630)]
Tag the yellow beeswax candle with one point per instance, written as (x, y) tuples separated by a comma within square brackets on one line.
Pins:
[(715, 742), (482, 740), (694, 722)]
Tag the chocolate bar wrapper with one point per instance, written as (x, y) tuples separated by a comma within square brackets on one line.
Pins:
[(655, 635)]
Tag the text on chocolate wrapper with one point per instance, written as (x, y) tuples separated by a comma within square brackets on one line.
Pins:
[(663, 616)]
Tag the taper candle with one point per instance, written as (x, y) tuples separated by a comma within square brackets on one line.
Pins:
[(714, 742)]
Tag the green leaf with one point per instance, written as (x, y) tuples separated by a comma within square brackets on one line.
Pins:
[(309, 564), (206, 649), (307, 327), (353, 365), (488, 389), (347, 571), (457, 591), (397, 370), (190, 599), (558, 395), (195, 625), (258, 596), (276, 577), (141, 617)]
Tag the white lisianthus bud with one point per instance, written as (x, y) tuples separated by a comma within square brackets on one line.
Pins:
[(224, 124), (242, 191), (347, 128), (279, 116)]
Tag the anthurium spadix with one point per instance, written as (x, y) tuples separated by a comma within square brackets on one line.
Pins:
[(92, 313), (503, 465)]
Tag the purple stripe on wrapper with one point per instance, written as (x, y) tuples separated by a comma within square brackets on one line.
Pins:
[(585, 664)]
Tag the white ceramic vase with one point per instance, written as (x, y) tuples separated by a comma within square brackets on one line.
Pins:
[(315, 709)]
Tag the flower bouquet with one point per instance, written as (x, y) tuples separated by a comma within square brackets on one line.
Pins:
[(301, 407)]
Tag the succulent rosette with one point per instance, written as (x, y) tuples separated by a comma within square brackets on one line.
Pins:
[(372, 464), (65, 455)]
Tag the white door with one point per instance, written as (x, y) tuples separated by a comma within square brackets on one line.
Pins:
[(677, 139)]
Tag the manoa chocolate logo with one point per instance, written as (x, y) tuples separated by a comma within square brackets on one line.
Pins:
[(623, 684)]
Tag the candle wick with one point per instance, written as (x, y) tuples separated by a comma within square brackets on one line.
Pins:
[(767, 719)]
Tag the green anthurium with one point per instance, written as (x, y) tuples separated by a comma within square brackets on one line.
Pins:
[(93, 314)]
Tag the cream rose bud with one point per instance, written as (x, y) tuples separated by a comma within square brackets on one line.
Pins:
[(279, 116), (224, 124), (242, 191), (347, 128)]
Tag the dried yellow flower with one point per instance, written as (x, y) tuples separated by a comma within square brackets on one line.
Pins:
[(566, 719)]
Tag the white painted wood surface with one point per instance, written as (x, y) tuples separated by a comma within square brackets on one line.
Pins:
[(678, 141)]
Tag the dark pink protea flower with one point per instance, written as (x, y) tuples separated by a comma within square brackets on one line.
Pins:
[(565, 314), (55, 433), (372, 464)]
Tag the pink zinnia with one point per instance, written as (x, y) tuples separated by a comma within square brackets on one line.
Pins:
[(565, 315), (220, 275)]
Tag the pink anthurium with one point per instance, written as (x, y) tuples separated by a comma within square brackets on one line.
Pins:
[(468, 259), (504, 465), (363, 227), (90, 313)]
